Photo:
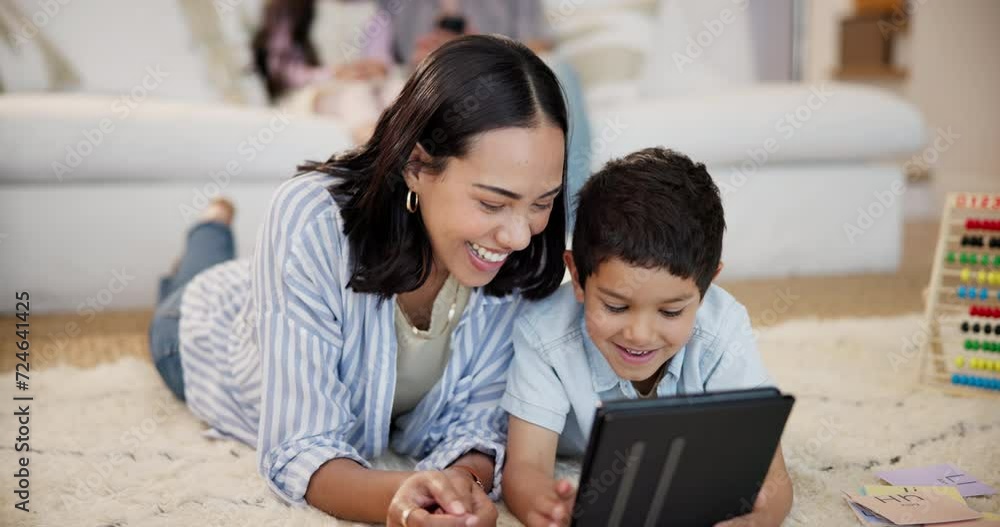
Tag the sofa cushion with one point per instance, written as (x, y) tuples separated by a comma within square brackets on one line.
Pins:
[(765, 124), (59, 138)]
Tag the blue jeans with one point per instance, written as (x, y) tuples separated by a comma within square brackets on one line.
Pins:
[(208, 244), (579, 154)]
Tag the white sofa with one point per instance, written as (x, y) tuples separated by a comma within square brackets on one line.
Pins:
[(123, 209), (99, 234)]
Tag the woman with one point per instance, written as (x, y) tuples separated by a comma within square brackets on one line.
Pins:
[(381, 295)]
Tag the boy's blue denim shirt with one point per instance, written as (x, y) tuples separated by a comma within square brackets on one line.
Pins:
[(558, 375)]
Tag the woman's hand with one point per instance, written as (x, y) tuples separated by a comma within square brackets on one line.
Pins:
[(435, 498), (483, 509)]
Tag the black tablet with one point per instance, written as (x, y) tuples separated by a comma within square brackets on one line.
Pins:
[(686, 460)]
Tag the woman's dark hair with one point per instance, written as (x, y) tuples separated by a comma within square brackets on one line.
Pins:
[(299, 14), (654, 208), (469, 86)]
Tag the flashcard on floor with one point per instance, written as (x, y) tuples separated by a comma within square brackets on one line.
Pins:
[(882, 490), (916, 508), (988, 520), (945, 474), (868, 517)]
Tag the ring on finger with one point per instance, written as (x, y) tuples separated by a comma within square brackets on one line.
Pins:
[(406, 515)]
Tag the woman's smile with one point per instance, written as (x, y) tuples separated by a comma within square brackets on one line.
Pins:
[(487, 260)]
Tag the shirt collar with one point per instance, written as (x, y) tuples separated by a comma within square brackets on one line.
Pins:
[(604, 378)]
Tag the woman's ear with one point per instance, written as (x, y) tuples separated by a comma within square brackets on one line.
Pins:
[(411, 172)]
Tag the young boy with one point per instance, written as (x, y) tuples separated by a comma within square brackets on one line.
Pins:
[(641, 319)]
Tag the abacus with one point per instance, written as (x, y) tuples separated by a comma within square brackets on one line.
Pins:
[(962, 348)]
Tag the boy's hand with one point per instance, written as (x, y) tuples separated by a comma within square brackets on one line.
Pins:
[(754, 519), (554, 508), (758, 518)]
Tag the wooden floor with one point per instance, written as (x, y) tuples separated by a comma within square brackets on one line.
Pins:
[(76, 340)]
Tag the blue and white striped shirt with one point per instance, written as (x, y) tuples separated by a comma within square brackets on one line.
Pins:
[(279, 353)]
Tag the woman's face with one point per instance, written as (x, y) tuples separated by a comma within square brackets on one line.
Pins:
[(490, 203)]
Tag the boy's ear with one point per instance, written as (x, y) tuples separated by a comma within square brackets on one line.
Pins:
[(571, 265), (411, 173), (717, 271)]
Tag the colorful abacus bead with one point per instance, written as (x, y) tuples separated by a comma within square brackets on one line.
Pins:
[(981, 277), (984, 311), (992, 312), (985, 260), (983, 294), (979, 382), (961, 291)]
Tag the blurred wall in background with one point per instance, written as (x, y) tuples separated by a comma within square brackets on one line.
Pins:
[(950, 51)]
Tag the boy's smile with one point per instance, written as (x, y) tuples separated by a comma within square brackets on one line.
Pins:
[(638, 318)]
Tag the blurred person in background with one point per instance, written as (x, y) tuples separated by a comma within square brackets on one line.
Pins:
[(404, 32), (282, 52)]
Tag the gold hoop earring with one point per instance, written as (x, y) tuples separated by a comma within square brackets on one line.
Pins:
[(412, 201)]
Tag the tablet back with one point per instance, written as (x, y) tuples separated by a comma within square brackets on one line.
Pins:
[(679, 461)]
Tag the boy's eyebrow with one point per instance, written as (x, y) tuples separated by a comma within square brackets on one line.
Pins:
[(618, 296), (612, 294), (680, 298), (514, 195)]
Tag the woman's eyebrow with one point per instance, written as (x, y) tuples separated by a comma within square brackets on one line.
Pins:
[(514, 195)]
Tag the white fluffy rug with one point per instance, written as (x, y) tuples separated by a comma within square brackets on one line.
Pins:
[(111, 447)]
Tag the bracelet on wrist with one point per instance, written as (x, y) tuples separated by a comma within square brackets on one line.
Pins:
[(475, 477)]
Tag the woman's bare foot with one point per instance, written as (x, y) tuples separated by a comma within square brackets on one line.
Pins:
[(220, 210)]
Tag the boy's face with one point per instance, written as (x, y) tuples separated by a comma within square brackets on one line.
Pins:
[(638, 318)]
